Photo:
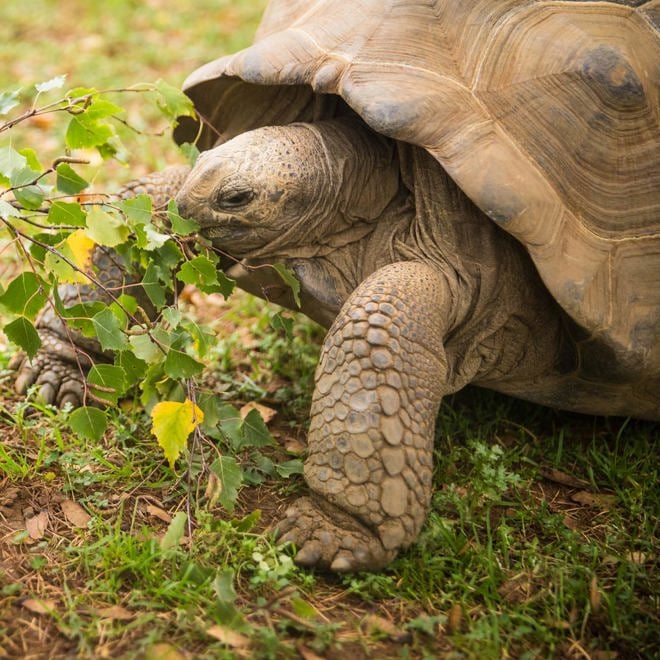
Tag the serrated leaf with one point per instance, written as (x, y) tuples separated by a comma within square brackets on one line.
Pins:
[(89, 423), (230, 477), (90, 128), (289, 278), (180, 365), (173, 422), (106, 228), (133, 367), (230, 423), (78, 248), (149, 238), (68, 181), (175, 531), (30, 197), (32, 159), (173, 102), (180, 225), (109, 377), (23, 334), (138, 209), (155, 290), (109, 331), (144, 348), (25, 295), (254, 432), (53, 83), (282, 323), (173, 316), (11, 161), (200, 271), (66, 213)]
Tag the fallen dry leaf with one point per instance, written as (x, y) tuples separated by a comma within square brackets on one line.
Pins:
[(517, 589), (455, 618), (39, 605), (562, 478), (374, 622), (570, 522), (74, 513), (116, 612), (593, 499), (159, 513), (295, 446), (163, 651), (36, 526), (266, 413), (228, 636), (637, 557)]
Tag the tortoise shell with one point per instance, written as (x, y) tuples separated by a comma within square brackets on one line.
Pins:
[(545, 113)]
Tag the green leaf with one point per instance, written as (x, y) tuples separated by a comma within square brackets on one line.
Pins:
[(80, 316), (8, 101), (302, 608), (190, 151), (68, 181), (30, 197), (149, 238), (7, 210), (25, 295), (89, 423), (175, 531), (90, 128), (287, 468), (280, 323), (23, 334), (173, 316), (11, 161), (225, 610), (289, 278), (230, 423), (173, 422), (230, 476), (106, 228), (32, 159), (66, 213), (180, 365), (152, 286), (133, 366), (108, 377), (144, 348), (200, 271), (180, 225), (109, 331), (53, 83), (173, 102), (138, 209), (254, 432)]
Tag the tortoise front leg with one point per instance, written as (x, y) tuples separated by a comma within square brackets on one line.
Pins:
[(379, 382)]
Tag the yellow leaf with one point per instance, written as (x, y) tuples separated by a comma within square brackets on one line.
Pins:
[(173, 422), (77, 248), (81, 247)]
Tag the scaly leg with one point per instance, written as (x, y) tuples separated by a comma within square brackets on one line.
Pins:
[(379, 382)]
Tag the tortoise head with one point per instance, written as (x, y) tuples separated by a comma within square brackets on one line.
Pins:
[(275, 189)]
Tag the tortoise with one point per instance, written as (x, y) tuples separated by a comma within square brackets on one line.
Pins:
[(468, 193)]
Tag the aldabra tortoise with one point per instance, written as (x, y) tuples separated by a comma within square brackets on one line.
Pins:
[(469, 193)]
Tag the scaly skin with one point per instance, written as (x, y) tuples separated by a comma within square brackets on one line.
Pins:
[(65, 357), (379, 382)]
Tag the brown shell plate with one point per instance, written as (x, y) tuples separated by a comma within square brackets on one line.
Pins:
[(546, 114)]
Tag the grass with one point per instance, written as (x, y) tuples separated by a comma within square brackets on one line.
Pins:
[(542, 541)]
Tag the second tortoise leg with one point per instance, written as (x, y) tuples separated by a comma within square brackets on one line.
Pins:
[(379, 383)]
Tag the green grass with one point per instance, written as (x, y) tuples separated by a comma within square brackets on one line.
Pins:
[(512, 562)]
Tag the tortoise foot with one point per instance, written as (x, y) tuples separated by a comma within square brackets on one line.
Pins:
[(329, 538)]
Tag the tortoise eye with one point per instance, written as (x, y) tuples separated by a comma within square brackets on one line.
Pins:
[(234, 199)]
